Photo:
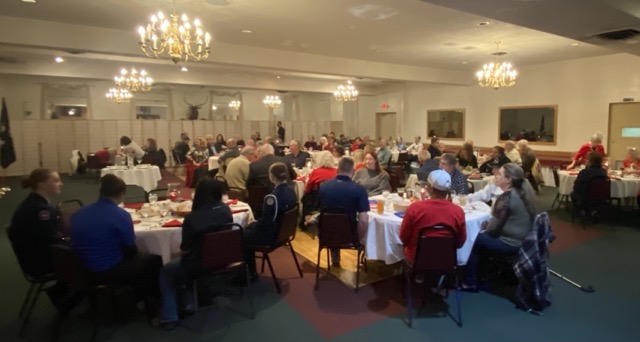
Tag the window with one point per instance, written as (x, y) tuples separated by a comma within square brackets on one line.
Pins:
[(631, 132), (446, 123), (537, 124)]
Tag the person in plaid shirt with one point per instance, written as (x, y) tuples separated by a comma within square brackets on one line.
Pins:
[(448, 162)]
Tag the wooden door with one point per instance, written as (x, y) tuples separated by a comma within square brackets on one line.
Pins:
[(624, 130)]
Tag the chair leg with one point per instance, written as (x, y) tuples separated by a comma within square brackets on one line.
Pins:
[(27, 315), (26, 299), (318, 267), (409, 300), (195, 293), (295, 258), (556, 200), (273, 274), (263, 259), (357, 276), (458, 302)]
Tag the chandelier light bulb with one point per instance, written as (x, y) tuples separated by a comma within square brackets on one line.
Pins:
[(272, 101), (235, 104), (133, 80), (497, 74), (118, 95), (346, 93)]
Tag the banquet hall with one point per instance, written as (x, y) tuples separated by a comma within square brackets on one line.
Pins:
[(167, 94)]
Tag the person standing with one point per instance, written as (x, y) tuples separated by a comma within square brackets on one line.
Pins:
[(343, 192), (281, 130), (594, 145), (131, 149)]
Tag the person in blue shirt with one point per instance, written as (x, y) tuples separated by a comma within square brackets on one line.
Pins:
[(265, 230), (209, 214), (342, 192), (102, 236)]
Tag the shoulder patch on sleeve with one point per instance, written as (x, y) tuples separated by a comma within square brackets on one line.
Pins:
[(44, 215), (270, 200)]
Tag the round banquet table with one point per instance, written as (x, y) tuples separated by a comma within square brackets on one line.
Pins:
[(213, 162), (145, 176), (383, 234), (624, 187), (479, 184), (152, 238)]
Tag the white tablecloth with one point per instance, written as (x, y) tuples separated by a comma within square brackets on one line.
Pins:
[(146, 177), (411, 181), (383, 235), (165, 242), (299, 188), (394, 156), (620, 188), (213, 163), (479, 184)]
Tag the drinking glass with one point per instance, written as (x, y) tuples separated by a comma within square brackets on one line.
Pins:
[(462, 200), (144, 213), (380, 207), (386, 194), (153, 199), (401, 192)]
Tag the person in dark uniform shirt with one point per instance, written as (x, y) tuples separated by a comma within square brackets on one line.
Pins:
[(498, 158), (297, 157), (281, 130), (102, 235), (265, 230), (434, 148), (34, 227), (175, 282), (259, 169), (592, 170)]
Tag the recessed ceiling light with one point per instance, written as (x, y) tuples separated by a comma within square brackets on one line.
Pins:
[(465, 62), (247, 31), (184, 69), (29, 1), (483, 23), (59, 59), (575, 44), (277, 76)]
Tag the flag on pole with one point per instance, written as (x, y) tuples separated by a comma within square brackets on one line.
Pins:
[(7, 151), (542, 124)]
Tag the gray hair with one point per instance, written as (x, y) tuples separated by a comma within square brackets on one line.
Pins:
[(324, 159), (249, 150), (323, 140), (509, 144), (597, 138), (294, 142), (450, 158), (265, 149), (521, 185), (358, 156), (231, 143), (424, 155)]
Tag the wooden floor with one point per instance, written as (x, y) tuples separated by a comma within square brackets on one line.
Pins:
[(306, 246)]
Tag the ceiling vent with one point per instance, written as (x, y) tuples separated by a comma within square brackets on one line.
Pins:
[(617, 35), (9, 60)]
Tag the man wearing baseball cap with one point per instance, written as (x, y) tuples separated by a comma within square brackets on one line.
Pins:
[(432, 212)]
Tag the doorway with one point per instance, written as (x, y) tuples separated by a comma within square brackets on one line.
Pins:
[(385, 125), (624, 130)]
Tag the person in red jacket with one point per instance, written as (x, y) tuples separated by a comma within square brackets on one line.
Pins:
[(432, 212), (594, 145), (324, 170)]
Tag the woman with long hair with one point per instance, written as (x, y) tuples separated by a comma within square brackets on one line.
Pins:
[(512, 217), (220, 143), (466, 157), (209, 214), (372, 177)]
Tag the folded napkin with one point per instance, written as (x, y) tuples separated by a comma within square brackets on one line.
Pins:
[(399, 214), (136, 206), (237, 211), (173, 223), (302, 179), (232, 202), (136, 221)]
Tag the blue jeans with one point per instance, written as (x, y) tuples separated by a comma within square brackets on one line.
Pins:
[(485, 243), (175, 284)]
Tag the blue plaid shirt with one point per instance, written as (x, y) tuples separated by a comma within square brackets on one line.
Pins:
[(459, 183)]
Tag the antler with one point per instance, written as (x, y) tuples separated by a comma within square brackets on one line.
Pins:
[(184, 98)]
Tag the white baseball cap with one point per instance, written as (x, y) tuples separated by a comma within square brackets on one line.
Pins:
[(440, 179)]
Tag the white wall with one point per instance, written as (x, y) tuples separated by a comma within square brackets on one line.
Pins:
[(582, 89)]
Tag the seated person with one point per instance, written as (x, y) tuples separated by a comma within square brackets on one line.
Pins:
[(102, 236), (220, 143), (490, 191), (151, 149), (34, 227), (199, 166), (632, 161), (107, 156), (324, 170), (530, 163), (342, 192), (176, 284), (181, 148), (435, 148), (232, 151), (265, 230), (358, 159), (297, 157), (437, 210), (581, 185), (238, 170), (373, 178), (426, 165), (497, 158), (512, 217), (259, 169), (512, 152), (311, 144), (416, 147), (594, 145), (466, 157), (384, 154), (448, 162), (338, 152)]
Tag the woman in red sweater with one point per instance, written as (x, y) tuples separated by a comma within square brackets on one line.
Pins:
[(324, 170)]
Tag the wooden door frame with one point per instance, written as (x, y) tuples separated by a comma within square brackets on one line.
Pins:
[(609, 121)]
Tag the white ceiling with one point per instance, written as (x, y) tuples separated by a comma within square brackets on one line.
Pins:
[(400, 40)]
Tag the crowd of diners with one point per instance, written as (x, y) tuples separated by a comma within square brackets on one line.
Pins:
[(347, 172)]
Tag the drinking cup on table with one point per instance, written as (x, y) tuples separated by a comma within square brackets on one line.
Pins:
[(462, 199), (401, 192), (153, 199), (225, 198), (380, 206)]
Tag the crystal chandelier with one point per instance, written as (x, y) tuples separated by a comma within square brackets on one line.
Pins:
[(348, 93), (133, 80), (176, 38), (119, 95), (272, 101), (497, 74), (235, 104)]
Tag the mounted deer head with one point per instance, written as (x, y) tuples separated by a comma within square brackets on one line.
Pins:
[(193, 109)]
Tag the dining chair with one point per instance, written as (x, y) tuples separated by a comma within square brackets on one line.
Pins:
[(286, 234), (66, 209), (559, 199), (338, 230), (435, 255)]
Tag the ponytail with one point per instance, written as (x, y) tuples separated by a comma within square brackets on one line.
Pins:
[(36, 177)]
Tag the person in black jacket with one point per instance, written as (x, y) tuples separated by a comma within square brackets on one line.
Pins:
[(265, 230), (259, 169), (498, 158), (208, 213), (34, 227), (581, 185), (281, 131)]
